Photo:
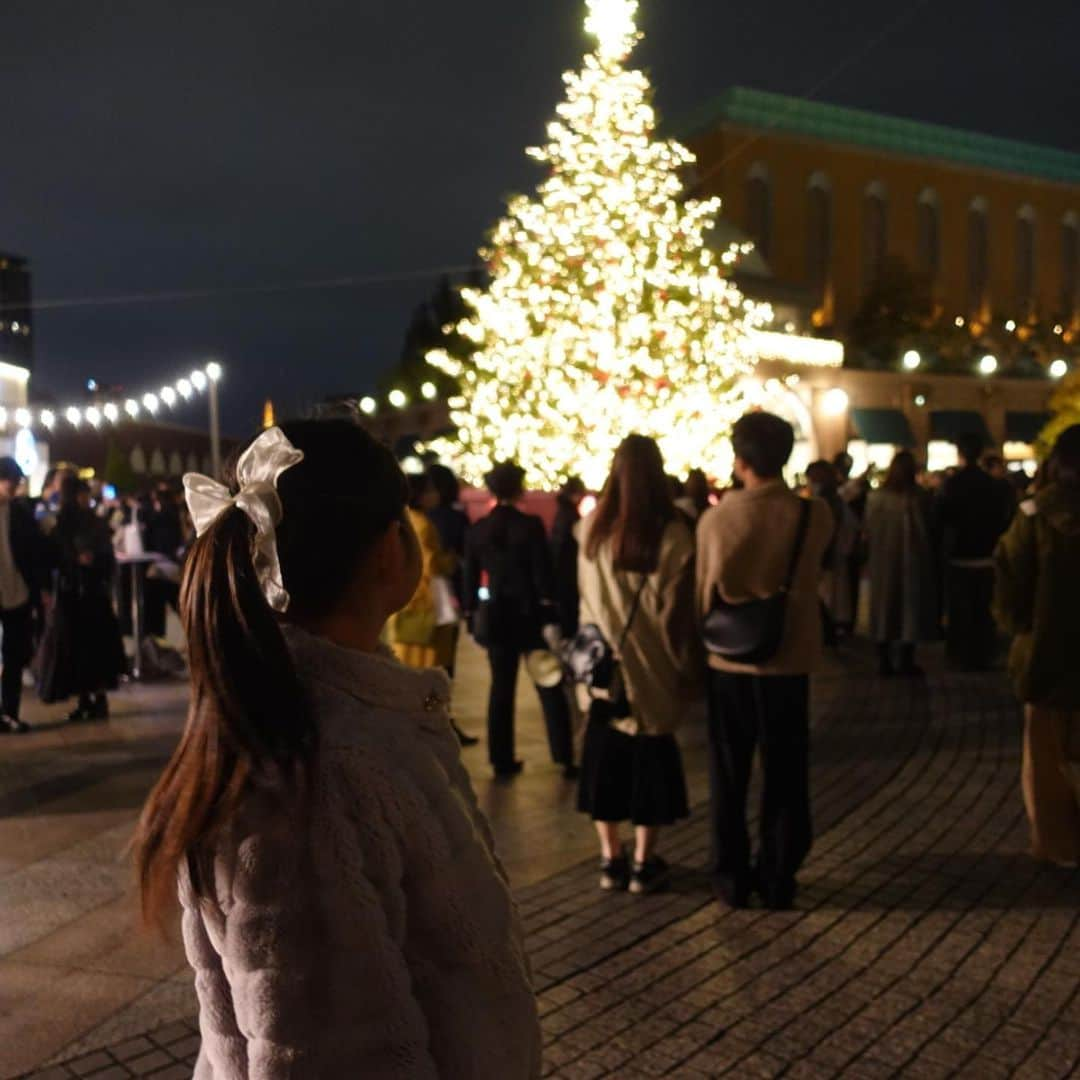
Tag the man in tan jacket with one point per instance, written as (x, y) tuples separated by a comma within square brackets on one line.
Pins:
[(745, 549)]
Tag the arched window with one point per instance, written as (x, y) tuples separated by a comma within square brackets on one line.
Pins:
[(978, 257), (929, 233), (875, 231), (1070, 265), (818, 235), (759, 208), (1025, 261)]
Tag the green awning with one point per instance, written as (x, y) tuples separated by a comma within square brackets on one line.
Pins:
[(882, 427), (948, 425), (1025, 426)]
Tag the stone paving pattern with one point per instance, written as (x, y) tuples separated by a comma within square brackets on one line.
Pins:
[(925, 944)]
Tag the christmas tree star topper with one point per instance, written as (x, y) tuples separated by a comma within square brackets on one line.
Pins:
[(612, 22)]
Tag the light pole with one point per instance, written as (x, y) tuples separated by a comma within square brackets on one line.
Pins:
[(213, 373)]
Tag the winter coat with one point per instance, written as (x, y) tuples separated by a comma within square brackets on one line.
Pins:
[(903, 575), (564, 560), (1037, 597), (660, 659), (369, 931), (745, 546)]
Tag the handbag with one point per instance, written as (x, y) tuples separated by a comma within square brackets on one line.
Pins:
[(591, 661), (752, 632)]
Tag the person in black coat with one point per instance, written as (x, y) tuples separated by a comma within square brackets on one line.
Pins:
[(24, 578), (83, 652), (974, 510), (564, 554), (509, 597)]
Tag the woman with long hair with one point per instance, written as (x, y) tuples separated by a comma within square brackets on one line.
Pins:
[(903, 581), (82, 653), (343, 907), (636, 577), (1037, 597)]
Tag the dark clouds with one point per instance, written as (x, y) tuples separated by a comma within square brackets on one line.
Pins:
[(148, 145)]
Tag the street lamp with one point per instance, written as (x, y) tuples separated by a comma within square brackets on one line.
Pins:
[(368, 405), (912, 360), (1059, 369), (835, 402), (988, 365)]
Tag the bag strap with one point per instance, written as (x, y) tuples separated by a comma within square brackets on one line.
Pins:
[(633, 612), (800, 541)]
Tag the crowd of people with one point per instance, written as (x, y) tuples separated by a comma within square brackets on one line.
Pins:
[(63, 606), (316, 811)]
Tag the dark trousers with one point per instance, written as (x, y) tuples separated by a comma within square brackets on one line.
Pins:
[(971, 637), (770, 713), (18, 647), (505, 660)]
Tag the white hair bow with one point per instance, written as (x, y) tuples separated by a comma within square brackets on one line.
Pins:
[(257, 474)]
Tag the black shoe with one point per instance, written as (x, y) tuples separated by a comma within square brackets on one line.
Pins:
[(615, 873), (649, 876), (462, 738), (571, 772), (732, 893), (508, 772), (9, 725), (780, 897), (99, 708)]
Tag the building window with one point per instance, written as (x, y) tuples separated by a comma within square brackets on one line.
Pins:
[(818, 235), (978, 258), (1070, 265), (929, 234), (759, 208), (1025, 262), (875, 231)]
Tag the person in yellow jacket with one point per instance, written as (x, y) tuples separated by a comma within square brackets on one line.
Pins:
[(422, 634)]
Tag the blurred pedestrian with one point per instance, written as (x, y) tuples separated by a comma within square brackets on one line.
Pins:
[(760, 543), (343, 907), (636, 573), (452, 525), (903, 582), (82, 652), (510, 598), (1036, 600), (564, 554), (24, 582), (694, 500), (835, 589), (974, 510)]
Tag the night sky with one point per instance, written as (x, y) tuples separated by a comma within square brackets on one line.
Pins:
[(165, 145)]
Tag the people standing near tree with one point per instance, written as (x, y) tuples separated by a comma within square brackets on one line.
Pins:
[(636, 574), (1036, 600), (903, 582), (343, 906), (24, 580), (82, 652), (452, 524), (758, 543), (974, 510), (509, 600), (564, 554), (835, 590), (694, 500)]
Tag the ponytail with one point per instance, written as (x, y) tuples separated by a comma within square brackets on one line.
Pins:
[(246, 718)]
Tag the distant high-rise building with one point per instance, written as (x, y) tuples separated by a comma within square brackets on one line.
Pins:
[(16, 317)]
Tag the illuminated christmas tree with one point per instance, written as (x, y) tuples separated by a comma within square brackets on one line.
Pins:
[(606, 313)]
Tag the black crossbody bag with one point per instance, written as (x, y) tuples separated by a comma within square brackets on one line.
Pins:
[(752, 632), (590, 660)]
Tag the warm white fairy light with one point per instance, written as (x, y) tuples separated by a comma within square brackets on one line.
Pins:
[(368, 405), (398, 399), (606, 314)]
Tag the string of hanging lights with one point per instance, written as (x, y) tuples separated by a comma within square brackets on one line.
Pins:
[(114, 412)]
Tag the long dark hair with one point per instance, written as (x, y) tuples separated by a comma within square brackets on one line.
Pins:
[(1063, 465), (902, 477), (247, 724), (634, 508)]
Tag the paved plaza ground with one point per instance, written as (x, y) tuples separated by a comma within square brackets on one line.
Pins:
[(925, 944)]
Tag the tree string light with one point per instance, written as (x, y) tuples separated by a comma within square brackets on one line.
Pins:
[(606, 313), (112, 412)]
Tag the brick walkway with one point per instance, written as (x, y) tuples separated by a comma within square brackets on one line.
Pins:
[(926, 944)]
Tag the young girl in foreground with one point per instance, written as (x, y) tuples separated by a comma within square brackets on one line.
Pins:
[(343, 907)]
